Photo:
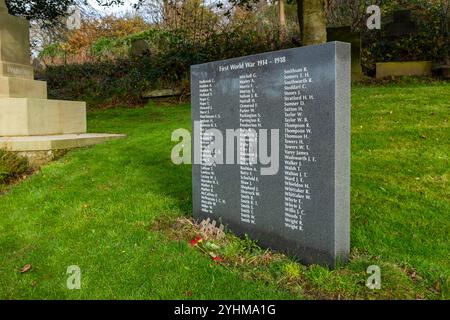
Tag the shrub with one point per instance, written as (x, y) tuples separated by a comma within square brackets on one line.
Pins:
[(116, 78), (109, 75), (430, 42), (12, 166)]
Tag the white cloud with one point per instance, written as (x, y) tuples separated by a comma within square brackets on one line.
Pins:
[(127, 7)]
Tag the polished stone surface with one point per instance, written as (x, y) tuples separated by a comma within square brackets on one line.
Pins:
[(303, 207)]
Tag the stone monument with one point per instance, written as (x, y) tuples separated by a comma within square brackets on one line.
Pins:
[(282, 173), (30, 123), (345, 34)]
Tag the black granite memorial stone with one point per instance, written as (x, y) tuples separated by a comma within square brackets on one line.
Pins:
[(294, 196)]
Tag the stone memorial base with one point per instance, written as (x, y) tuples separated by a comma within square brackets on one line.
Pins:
[(31, 124), (30, 117), (42, 149), (11, 87), (8, 69)]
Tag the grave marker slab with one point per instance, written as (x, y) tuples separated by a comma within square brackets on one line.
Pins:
[(300, 205)]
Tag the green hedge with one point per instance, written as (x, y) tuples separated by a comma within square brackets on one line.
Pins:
[(431, 42), (121, 80)]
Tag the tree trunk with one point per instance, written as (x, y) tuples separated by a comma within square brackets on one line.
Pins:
[(282, 20), (311, 18)]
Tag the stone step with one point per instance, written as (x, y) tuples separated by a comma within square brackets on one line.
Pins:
[(33, 117), (55, 142), (22, 88), (8, 69)]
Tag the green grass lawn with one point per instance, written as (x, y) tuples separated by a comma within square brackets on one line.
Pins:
[(97, 208)]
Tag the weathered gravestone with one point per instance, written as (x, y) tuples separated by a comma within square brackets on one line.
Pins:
[(293, 195)]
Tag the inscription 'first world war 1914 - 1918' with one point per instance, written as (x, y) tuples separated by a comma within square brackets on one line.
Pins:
[(272, 148)]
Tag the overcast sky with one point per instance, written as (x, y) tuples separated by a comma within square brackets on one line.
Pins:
[(127, 7)]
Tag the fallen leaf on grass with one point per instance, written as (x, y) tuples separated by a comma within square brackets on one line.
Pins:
[(25, 268)]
